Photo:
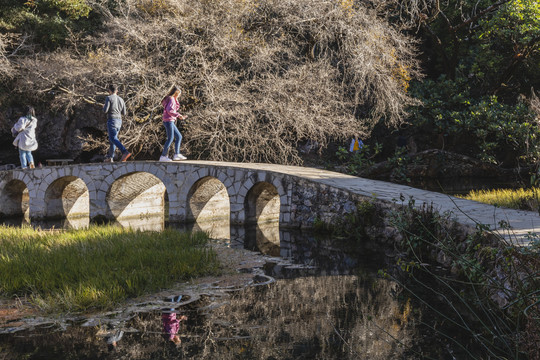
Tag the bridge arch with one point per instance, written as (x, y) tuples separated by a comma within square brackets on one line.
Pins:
[(208, 200), (15, 199), (262, 203), (67, 197), (138, 195)]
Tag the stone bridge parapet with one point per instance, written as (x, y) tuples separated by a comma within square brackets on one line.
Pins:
[(241, 193)]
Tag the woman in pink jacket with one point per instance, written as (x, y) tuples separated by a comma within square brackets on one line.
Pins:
[(170, 114), (171, 325)]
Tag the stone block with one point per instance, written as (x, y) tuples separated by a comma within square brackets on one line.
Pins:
[(126, 169), (285, 218), (203, 172), (96, 168), (248, 184), (228, 184), (260, 176), (173, 168), (240, 175), (108, 181), (160, 174), (237, 207), (49, 178)]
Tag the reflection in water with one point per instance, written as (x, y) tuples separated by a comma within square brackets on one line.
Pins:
[(146, 223), (113, 337), (69, 223), (264, 238), (322, 311), (219, 229), (75, 223), (345, 317), (16, 221), (171, 322)]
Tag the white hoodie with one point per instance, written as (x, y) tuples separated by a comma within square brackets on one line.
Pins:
[(25, 129)]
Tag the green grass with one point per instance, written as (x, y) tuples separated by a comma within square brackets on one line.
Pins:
[(522, 199), (98, 267)]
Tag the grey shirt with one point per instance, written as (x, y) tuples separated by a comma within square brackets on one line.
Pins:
[(114, 107)]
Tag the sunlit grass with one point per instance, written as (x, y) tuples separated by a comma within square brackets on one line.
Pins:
[(522, 199), (99, 267)]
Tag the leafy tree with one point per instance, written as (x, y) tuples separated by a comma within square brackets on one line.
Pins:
[(509, 44), (490, 42), (48, 21), (480, 127), (481, 59)]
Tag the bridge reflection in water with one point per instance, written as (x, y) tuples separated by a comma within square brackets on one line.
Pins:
[(262, 237), (302, 247)]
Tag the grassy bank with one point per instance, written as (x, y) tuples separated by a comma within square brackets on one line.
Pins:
[(522, 199), (98, 267)]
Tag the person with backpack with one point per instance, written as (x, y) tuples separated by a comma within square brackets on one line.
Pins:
[(170, 114), (24, 132)]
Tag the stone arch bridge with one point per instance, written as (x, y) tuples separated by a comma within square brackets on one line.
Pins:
[(202, 190)]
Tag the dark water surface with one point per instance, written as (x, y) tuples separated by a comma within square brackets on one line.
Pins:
[(324, 302)]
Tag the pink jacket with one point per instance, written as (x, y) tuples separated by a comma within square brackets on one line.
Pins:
[(170, 324), (170, 109)]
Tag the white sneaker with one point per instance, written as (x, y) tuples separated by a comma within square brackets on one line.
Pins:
[(164, 158), (178, 157)]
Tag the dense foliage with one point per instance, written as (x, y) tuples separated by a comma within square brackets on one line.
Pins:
[(482, 127), (482, 59), (489, 288)]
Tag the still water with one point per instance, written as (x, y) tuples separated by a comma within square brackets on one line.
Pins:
[(308, 298)]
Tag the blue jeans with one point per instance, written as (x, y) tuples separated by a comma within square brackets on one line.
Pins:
[(26, 158), (172, 132), (113, 127)]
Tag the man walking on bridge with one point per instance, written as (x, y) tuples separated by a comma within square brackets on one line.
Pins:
[(114, 108)]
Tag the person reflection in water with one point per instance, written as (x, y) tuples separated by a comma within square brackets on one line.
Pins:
[(171, 323), (113, 338)]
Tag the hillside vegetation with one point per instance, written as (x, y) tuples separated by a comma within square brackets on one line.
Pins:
[(261, 77), (258, 76)]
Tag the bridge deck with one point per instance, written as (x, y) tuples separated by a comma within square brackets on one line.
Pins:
[(468, 212)]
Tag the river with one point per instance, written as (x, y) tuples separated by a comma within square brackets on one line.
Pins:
[(294, 296)]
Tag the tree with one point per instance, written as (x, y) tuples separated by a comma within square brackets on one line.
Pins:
[(494, 43), (481, 59), (511, 39)]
